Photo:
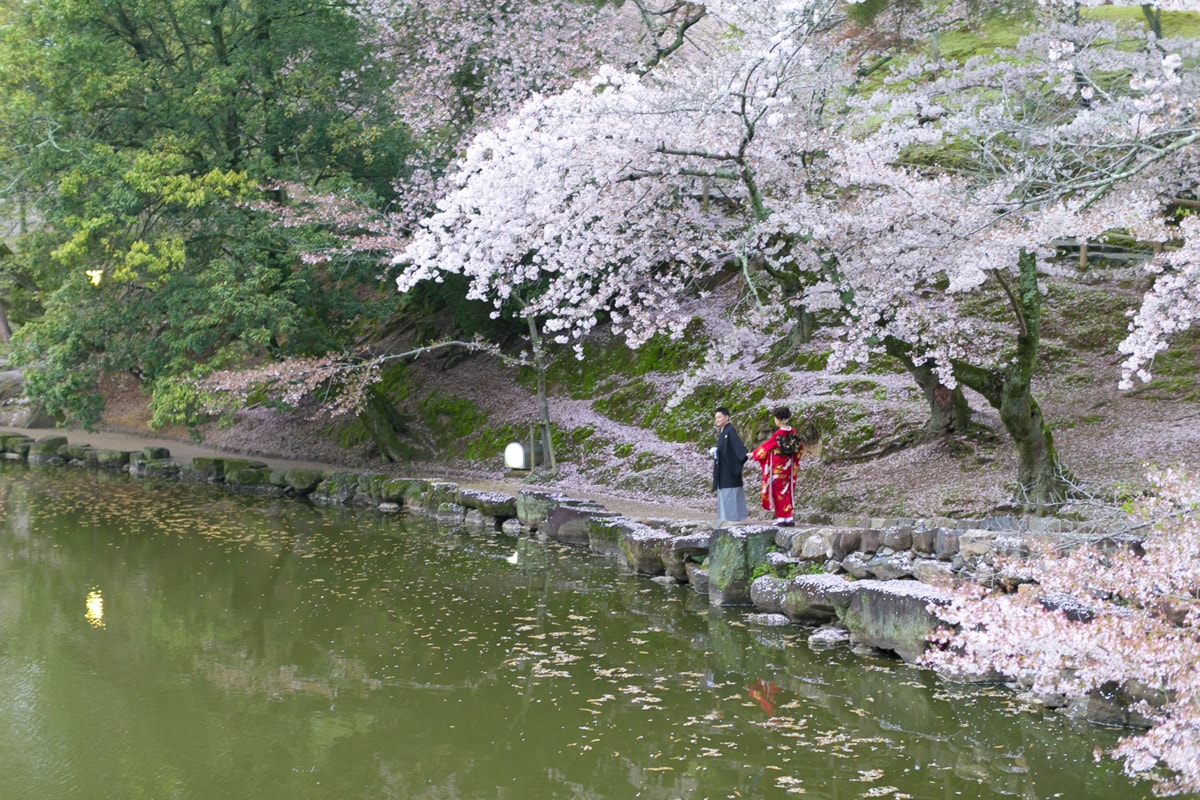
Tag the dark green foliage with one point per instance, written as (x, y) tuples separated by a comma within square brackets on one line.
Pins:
[(442, 309), (866, 12), (169, 125)]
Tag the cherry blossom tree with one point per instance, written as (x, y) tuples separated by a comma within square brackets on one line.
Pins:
[(970, 177), (611, 200), (461, 66), (1171, 306), (608, 201), (916, 253), (1116, 616)]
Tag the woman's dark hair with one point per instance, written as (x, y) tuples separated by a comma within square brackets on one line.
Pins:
[(783, 412)]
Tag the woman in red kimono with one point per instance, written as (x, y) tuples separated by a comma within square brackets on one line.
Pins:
[(778, 457)]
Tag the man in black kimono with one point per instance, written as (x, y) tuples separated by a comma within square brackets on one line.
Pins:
[(728, 458)]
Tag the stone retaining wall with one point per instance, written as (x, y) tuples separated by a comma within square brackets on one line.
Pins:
[(871, 581)]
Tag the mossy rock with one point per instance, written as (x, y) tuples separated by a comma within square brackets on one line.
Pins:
[(303, 480), (336, 489), (47, 445), (47, 450), (414, 492), (77, 452), (642, 549), (242, 463), (208, 468), (492, 504), (16, 443), (109, 459), (248, 476), (155, 453), (534, 508), (158, 468), (369, 485), (254, 481), (439, 492), (733, 557), (385, 488), (893, 615), (604, 535), (450, 512)]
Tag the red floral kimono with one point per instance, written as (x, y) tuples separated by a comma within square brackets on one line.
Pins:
[(778, 475)]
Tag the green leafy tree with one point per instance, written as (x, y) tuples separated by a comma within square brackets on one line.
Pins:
[(145, 136)]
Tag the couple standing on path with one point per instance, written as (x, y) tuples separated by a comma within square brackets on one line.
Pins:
[(777, 457)]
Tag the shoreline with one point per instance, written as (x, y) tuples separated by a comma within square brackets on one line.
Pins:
[(183, 450)]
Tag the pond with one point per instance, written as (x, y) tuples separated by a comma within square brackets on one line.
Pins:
[(170, 640)]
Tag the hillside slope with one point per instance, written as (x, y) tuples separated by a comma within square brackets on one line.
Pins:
[(634, 424)]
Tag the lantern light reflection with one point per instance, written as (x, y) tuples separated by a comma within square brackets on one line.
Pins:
[(95, 608)]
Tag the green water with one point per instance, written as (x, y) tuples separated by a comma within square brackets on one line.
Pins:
[(172, 641)]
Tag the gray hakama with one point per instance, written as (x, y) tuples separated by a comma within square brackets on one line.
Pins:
[(731, 504)]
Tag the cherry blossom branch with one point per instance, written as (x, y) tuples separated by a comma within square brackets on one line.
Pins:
[(694, 13)]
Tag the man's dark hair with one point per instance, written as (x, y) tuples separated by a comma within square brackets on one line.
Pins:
[(783, 412), (723, 410)]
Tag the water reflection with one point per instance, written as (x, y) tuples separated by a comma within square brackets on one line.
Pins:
[(272, 650), (94, 605)]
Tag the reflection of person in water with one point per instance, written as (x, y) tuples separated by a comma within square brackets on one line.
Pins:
[(763, 693)]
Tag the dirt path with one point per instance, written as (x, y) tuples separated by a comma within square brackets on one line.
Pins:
[(184, 451), (180, 450)]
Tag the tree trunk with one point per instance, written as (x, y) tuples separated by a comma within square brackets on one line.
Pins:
[(5, 331), (949, 412), (1153, 19), (543, 402), (382, 422), (1042, 479)]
